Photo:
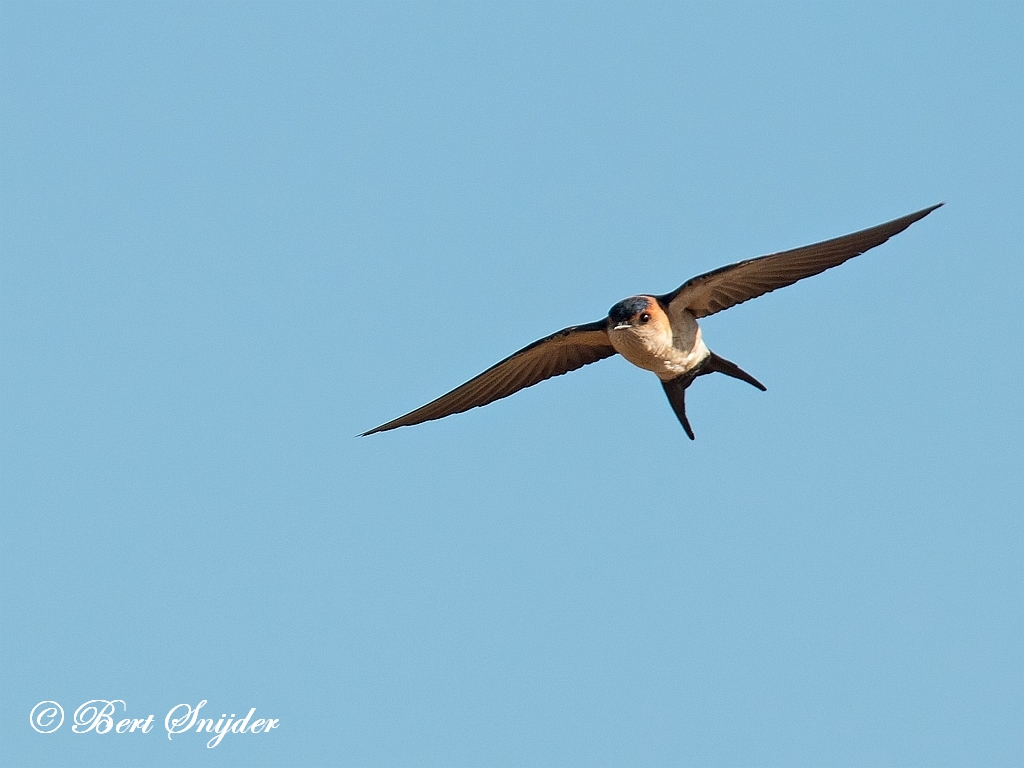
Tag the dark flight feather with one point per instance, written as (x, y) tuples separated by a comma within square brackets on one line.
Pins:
[(728, 286), (559, 353)]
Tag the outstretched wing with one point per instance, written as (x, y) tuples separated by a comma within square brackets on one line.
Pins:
[(728, 286), (559, 353)]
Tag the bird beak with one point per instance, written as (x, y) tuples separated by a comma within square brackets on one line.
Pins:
[(620, 326)]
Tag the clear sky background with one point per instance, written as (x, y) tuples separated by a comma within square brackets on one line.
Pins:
[(234, 236)]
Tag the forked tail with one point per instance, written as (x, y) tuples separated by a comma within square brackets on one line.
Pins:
[(716, 364), (676, 391), (676, 388)]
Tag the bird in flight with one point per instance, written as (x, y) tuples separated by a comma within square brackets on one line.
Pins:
[(657, 333)]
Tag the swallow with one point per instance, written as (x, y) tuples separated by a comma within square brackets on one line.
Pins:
[(658, 333)]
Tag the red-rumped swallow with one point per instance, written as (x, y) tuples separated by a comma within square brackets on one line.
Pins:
[(658, 333)]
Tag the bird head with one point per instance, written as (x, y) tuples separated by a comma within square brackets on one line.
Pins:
[(640, 318)]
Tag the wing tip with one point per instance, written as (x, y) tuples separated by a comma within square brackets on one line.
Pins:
[(925, 211), (902, 223)]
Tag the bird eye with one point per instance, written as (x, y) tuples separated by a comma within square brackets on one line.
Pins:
[(645, 317)]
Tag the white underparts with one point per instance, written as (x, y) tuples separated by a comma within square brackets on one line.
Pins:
[(658, 354)]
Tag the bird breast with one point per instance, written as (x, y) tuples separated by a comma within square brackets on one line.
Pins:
[(657, 353)]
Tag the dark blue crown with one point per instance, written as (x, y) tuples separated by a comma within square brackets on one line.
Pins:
[(626, 308)]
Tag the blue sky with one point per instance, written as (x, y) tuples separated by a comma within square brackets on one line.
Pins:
[(234, 236)]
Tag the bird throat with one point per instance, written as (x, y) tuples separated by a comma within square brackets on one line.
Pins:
[(666, 360)]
